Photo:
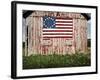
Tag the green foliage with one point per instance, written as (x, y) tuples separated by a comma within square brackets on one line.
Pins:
[(54, 61)]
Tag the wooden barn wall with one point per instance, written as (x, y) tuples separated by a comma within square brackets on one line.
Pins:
[(36, 44), (80, 33)]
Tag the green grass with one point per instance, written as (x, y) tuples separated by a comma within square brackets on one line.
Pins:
[(54, 61)]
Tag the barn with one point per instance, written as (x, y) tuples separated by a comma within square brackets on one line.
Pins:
[(51, 32)]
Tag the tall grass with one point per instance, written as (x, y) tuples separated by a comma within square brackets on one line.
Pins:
[(54, 61)]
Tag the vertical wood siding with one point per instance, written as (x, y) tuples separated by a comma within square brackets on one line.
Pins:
[(37, 45)]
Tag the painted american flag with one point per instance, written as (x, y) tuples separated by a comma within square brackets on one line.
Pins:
[(54, 27)]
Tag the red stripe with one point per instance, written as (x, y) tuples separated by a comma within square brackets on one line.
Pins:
[(57, 30), (64, 18), (57, 34), (64, 24), (46, 39), (57, 37), (64, 28), (64, 21)]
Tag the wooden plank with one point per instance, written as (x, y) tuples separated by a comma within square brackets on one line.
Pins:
[(56, 14)]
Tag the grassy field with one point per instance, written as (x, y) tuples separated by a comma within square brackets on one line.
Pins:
[(54, 61)]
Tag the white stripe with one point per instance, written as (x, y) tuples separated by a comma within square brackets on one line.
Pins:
[(63, 23), (57, 35), (63, 20), (56, 32), (56, 29)]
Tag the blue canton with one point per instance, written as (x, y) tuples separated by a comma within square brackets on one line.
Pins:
[(49, 22)]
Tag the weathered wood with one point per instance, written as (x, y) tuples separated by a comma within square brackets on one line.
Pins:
[(38, 45), (56, 14)]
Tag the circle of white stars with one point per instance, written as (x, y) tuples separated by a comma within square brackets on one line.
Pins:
[(49, 19)]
